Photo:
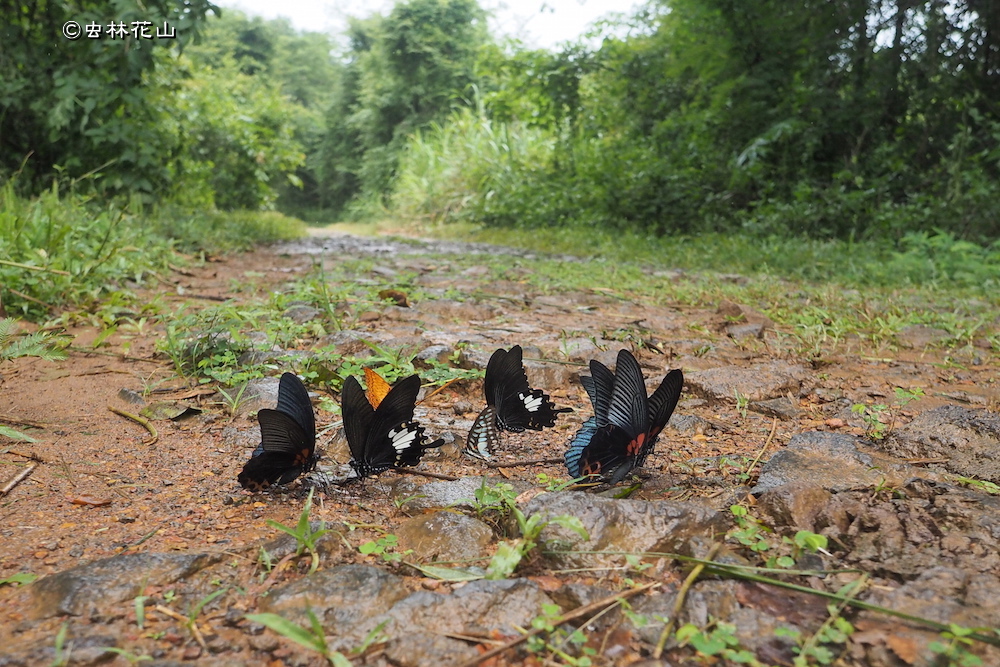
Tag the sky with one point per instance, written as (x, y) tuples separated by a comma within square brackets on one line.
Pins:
[(538, 23)]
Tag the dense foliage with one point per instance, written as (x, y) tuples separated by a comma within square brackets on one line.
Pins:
[(829, 119), (847, 119)]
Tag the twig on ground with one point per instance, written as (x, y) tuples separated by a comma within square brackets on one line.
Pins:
[(422, 473), (141, 421), (767, 443), (679, 602), (17, 479), (565, 618), (516, 464)]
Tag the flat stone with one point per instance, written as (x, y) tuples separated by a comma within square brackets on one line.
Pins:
[(794, 505), (968, 439), (446, 494), (439, 353), (111, 580), (445, 536), (341, 597), (757, 383), (830, 461), (782, 408), (301, 314), (620, 525), (918, 336)]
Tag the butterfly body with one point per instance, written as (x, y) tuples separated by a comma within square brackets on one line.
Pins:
[(626, 424), (382, 434), (288, 439), (511, 404)]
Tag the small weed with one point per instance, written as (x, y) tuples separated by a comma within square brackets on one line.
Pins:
[(748, 531), (955, 647), (61, 648), (384, 547), (554, 639), (20, 579), (552, 483), (742, 402), (717, 642), (312, 638), (131, 658), (978, 484), (303, 533), (235, 400), (510, 553), (879, 418)]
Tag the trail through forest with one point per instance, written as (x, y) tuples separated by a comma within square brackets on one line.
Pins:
[(166, 546)]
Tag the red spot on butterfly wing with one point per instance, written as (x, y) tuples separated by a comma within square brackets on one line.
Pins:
[(635, 446)]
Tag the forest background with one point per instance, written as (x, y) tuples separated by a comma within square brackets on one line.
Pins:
[(853, 141)]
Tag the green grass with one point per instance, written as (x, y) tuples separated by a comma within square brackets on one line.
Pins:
[(822, 294), (66, 249)]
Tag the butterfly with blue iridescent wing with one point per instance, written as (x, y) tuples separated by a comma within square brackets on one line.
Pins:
[(626, 424)]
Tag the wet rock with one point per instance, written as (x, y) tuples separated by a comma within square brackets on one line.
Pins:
[(341, 597), (131, 396), (757, 383), (739, 314), (444, 495), (445, 536), (479, 607), (109, 581), (794, 505), (417, 649), (747, 330), (937, 525), (351, 342), (968, 439), (549, 376), (938, 594), (621, 525), (830, 461), (441, 353), (77, 652), (919, 336), (689, 424), (463, 311), (782, 408), (300, 314)]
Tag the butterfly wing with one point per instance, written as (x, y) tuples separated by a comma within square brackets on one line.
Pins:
[(628, 409), (392, 438), (358, 417), (608, 454), (285, 452), (661, 406), (377, 387), (517, 405), (484, 436), (602, 383), (579, 442)]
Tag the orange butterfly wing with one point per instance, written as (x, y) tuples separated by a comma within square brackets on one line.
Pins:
[(377, 387)]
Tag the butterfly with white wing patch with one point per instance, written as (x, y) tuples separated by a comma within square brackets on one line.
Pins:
[(511, 404), (383, 435)]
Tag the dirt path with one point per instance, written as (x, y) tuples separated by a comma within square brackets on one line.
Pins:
[(102, 488)]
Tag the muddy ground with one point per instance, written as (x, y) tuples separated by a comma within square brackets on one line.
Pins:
[(101, 488)]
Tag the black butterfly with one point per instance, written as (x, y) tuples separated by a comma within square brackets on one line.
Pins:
[(287, 439), (626, 424), (511, 405), (386, 436)]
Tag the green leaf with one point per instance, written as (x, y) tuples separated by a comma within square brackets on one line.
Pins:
[(504, 561), (571, 523), (448, 573), (8, 432), (290, 630), (20, 578)]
